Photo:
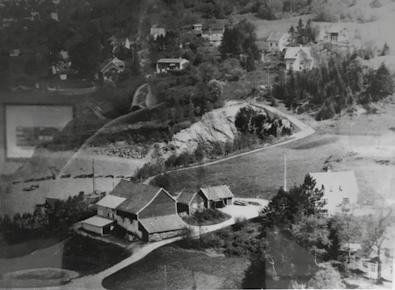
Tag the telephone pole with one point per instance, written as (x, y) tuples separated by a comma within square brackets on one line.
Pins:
[(93, 175), (285, 172)]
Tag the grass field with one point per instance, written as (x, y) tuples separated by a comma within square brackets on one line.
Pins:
[(171, 267)]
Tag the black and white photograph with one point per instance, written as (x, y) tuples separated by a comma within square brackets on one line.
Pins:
[(197, 144)]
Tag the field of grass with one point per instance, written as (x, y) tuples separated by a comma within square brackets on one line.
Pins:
[(171, 267), (260, 174)]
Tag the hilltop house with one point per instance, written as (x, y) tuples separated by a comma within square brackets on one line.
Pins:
[(277, 41), (111, 67), (214, 35), (339, 188), (156, 31), (171, 64), (299, 58), (205, 198), (143, 211)]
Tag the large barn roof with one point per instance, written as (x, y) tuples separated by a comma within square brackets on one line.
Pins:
[(163, 224), (137, 195), (217, 192)]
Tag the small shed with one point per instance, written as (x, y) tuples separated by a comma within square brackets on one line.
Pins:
[(98, 225), (161, 227), (217, 196)]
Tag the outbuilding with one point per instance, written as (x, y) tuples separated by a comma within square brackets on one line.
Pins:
[(98, 225)]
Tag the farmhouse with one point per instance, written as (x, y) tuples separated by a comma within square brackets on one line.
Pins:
[(171, 64), (298, 58), (277, 41), (143, 211), (339, 188)]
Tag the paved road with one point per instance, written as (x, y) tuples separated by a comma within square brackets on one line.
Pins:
[(140, 251), (304, 131)]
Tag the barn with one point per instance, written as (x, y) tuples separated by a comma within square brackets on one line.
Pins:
[(189, 202), (145, 212)]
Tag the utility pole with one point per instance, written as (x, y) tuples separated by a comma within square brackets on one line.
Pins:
[(165, 273), (93, 176), (285, 172)]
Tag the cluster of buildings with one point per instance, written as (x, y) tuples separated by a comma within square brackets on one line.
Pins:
[(300, 58), (151, 213)]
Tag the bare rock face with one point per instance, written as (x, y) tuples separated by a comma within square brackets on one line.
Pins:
[(217, 126)]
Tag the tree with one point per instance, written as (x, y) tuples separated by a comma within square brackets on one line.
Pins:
[(385, 50), (326, 278)]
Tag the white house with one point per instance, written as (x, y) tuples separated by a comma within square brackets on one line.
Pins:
[(156, 31), (171, 64), (277, 41), (197, 27), (339, 188), (299, 58)]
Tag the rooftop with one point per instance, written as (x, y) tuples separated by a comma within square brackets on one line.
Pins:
[(293, 52), (171, 60), (98, 221), (137, 195), (217, 192), (186, 197), (275, 36), (111, 201), (163, 224)]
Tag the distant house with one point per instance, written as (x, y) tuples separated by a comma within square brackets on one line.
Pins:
[(54, 16), (205, 198), (171, 64), (156, 31), (15, 52), (111, 67), (299, 58), (197, 28), (335, 33), (214, 35), (145, 212), (339, 188), (277, 41)]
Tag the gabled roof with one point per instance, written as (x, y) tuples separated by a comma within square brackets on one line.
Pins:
[(186, 197), (111, 201), (217, 192), (163, 224), (114, 62), (137, 195), (293, 52), (275, 36)]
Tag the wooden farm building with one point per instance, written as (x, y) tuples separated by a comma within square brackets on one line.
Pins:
[(205, 198), (143, 211)]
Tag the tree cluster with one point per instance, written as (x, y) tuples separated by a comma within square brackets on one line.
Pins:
[(302, 34), (46, 221), (334, 86), (239, 41)]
